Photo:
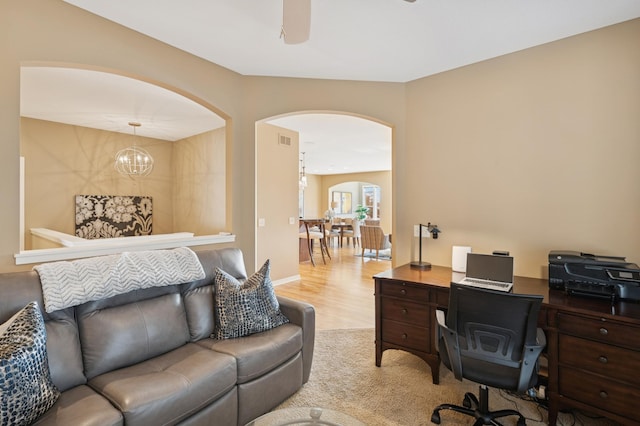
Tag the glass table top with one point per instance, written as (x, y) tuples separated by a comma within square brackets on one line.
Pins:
[(303, 416)]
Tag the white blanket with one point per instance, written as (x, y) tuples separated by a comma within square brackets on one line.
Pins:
[(66, 284)]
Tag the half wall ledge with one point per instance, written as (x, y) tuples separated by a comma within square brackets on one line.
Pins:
[(64, 247)]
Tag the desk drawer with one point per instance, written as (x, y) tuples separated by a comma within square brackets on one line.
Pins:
[(404, 290), (403, 334), (600, 358), (405, 311), (610, 332), (596, 391)]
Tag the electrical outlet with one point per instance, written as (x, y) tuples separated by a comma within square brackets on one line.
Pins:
[(292, 220), (261, 222)]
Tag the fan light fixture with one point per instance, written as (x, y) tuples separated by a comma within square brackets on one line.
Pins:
[(296, 21), (133, 161)]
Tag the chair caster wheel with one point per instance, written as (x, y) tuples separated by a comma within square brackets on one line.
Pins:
[(435, 418), (466, 401)]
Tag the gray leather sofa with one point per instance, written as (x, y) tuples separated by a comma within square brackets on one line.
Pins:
[(146, 358)]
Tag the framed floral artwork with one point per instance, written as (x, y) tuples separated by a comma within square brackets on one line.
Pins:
[(113, 216)]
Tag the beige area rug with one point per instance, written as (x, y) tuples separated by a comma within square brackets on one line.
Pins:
[(400, 392)]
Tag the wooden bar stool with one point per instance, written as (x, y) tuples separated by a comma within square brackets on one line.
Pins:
[(312, 235)]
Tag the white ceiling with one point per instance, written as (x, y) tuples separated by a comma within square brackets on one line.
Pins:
[(109, 102), (335, 144), (373, 40)]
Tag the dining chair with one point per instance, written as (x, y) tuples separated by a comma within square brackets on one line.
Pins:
[(331, 233), (315, 231), (348, 231)]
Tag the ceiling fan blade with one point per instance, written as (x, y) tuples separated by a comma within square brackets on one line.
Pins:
[(296, 20)]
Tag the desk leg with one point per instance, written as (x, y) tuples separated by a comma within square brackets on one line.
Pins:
[(553, 410), (435, 370)]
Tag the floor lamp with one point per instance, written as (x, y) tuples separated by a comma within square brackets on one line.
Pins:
[(433, 229)]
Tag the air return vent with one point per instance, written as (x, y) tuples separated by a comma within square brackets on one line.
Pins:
[(284, 140)]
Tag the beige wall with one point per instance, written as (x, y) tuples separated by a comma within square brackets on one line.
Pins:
[(62, 161), (58, 33), (199, 184), (187, 183), (553, 133), (277, 200), (314, 198), (529, 152)]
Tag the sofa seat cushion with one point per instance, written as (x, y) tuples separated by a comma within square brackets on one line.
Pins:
[(260, 353), (81, 405), (169, 387)]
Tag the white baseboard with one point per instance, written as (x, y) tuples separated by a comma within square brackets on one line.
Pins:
[(286, 280)]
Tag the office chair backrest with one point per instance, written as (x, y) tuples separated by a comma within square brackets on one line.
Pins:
[(492, 327)]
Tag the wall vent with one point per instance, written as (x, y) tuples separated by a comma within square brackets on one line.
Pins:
[(284, 140)]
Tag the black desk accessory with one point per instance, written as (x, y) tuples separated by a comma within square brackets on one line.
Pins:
[(433, 229)]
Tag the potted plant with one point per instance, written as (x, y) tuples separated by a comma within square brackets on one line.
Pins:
[(359, 217), (361, 212)]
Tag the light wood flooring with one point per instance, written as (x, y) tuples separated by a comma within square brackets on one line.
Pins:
[(341, 291)]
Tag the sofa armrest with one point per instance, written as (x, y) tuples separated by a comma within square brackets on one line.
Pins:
[(304, 315)]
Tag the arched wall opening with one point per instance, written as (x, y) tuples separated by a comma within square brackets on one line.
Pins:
[(69, 150), (278, 193)]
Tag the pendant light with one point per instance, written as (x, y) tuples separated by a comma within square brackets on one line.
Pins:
[(133, 161)]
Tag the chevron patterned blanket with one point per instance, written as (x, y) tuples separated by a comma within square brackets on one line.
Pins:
[(66, 284)]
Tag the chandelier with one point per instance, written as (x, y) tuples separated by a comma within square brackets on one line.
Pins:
[(133, 161), (302, 180)]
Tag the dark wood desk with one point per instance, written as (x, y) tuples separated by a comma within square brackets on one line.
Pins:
[(593, 346)]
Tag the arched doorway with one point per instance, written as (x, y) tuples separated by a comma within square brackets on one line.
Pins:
[(331, 149)]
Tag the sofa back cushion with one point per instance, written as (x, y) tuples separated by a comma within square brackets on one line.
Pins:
[(117, 336), (63, 349), (199, 295), (63, 346)]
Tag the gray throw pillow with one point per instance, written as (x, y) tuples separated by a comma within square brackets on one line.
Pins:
[(244, 308), (26, 389)]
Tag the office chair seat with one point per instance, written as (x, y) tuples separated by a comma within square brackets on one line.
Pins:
[(490, 374), (491, 338)]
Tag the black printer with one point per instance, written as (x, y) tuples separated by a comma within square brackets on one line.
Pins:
[(592, 275)]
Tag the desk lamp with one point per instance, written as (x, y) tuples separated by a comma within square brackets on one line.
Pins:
[(433, 229)]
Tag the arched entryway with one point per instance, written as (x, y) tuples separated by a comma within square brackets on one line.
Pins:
[(279, 144)]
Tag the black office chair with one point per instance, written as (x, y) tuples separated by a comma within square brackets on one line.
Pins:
[(490, 337)]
